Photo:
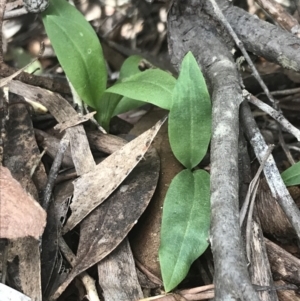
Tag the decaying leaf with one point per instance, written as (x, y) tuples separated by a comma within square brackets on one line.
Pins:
[(18, 219), (92, 188), (109, 224)]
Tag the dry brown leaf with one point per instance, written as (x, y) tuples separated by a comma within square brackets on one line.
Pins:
[(107, 226), (20, 214), (93, 188)]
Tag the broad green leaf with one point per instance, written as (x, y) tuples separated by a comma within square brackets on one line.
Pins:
[(130, 67), (291, 176), (185, 225), (126, 104), (78, 50), (154, 86), (190, 115)]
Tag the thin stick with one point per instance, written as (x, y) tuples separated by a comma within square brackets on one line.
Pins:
[(249, 221), (253, 184), (284, 147), (54, 171), (278, 116), (273, 177)]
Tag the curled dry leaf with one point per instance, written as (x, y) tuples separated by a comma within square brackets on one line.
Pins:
[(91, 189), (20, 214)]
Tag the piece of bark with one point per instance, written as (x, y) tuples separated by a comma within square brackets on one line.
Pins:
[(145, 238), (286, 294), (117, 275), (24, 267), (18, 218), (20, 156), (260, 270), (105, 142), (284, 265), (273, 220)]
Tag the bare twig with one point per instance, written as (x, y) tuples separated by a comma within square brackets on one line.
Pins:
[(277, 187), (278, 116), (253, 184), (54, 171), (284, 147), (286, 92), (249, 220)]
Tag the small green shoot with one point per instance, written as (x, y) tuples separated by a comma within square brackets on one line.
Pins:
[(78, 50)]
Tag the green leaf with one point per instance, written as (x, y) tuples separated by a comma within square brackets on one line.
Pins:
[(190, 115), (130, 67), (126, 104), (112, 104), (106, 106), (78, 50), (185, 225), (154, 86), (291, 176)]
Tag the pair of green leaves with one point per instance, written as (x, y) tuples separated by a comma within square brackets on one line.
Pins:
[(186, 210)]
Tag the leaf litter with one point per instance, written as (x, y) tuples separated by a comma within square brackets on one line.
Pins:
[(92, 189), (107, 226), (18, 219)]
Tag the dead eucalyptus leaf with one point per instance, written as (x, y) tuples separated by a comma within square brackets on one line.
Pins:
[(93, 188), (18, 218), (107, 226)]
